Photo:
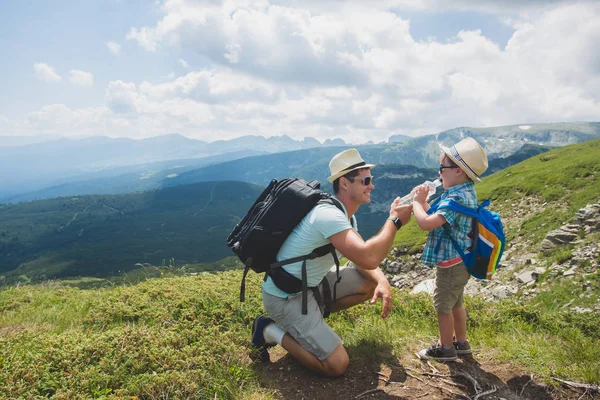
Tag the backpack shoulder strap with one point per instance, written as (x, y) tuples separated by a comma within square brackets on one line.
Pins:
[(459, 208), (454, 242), (433, 207), (328, 199)]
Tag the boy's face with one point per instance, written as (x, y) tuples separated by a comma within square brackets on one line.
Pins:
[(451, 175)]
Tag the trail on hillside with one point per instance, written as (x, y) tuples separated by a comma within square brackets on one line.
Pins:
[(408, 378)]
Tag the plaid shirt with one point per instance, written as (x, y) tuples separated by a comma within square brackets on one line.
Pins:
[(460, 226)]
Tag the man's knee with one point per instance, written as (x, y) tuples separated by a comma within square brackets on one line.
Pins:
[(337, 362), (369, 288)]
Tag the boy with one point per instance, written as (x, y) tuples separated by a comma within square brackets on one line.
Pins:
[(460, 167)]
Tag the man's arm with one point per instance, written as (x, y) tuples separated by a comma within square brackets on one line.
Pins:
[(369, 254)]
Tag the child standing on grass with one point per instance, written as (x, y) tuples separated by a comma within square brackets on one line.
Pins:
[(460, 167)]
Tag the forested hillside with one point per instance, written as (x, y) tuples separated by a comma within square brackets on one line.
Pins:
[(108, 235)]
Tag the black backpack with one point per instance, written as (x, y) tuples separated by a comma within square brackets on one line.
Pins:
[(256, 240)]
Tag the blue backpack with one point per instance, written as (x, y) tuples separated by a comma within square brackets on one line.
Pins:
[(489, 240)]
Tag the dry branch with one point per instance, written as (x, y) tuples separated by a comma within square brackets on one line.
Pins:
[(578, 385), (368, 392), (476, 386), (492, 390), (414, 376)]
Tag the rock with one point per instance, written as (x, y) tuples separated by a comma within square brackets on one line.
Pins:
[(527, 276), (561, 236), (588, 212), (580, 310), (406, 267), (393, 267), (427, 286), (569, 303), (502, 291), (570, 272)]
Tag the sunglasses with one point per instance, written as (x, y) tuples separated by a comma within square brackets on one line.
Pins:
[(447, 166), (366, 181)]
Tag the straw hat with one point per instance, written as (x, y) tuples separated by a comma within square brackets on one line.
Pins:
[(469, 156), (344, 162)]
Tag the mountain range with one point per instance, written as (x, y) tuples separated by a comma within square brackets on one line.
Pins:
[(41, 164), (68, 167)]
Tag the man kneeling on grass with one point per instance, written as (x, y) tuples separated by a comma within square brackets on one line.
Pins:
[(308, 338)]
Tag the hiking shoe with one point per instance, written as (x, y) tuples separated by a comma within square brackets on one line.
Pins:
[(258, 328), (437, 352), (258, 338), (462, 348)]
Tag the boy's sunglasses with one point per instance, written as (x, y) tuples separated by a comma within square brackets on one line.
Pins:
[(366, 181), (447, 166)]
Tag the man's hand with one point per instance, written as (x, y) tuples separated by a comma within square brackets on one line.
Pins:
[(403, 212), (384, 292)]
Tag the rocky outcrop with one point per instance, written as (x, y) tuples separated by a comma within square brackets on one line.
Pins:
[(587, 220)]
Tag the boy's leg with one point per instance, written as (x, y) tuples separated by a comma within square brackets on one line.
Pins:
[(446, 327), (448, 299), (460, 323), (449, 285)]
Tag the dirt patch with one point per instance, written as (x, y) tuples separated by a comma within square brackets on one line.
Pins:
[(409, 378)]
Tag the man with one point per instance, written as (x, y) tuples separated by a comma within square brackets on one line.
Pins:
[(308, 338)]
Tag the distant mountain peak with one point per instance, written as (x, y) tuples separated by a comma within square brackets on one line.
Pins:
[(334, 142)]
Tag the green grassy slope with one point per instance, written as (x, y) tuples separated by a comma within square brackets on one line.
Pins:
[(189, 337)]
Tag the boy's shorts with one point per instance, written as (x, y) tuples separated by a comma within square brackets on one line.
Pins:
[(311, 330), (449, 287)]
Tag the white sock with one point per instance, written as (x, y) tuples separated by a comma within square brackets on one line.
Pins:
[(273, 333)]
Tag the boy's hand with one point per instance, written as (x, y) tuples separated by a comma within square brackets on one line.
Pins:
[(420, 194)]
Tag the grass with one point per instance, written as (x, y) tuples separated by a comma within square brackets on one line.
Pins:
[(188, 337)]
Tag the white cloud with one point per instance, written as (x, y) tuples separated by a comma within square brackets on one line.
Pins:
[(81, 78), (45, 72), (113, 47), (123, 98), (351, 71), (183, 63)]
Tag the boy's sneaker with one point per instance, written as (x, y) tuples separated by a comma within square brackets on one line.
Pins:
[(462, 348), (258, 337), (437, 352)]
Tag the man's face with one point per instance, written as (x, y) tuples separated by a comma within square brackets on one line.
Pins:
[(361, 187)]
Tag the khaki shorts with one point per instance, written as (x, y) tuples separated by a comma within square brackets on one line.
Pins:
[(449, 287), (311, 330)]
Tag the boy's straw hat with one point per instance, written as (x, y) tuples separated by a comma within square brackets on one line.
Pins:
[(469, 156), (344, 162)]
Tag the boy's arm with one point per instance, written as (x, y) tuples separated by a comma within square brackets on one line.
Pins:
[(420, 207)]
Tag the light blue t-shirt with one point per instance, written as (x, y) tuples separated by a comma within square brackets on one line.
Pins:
[(323, 221)]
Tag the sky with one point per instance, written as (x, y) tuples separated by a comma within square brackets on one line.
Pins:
[(357, 70)]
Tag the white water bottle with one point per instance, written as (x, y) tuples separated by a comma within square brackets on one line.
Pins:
[(432, 188)]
